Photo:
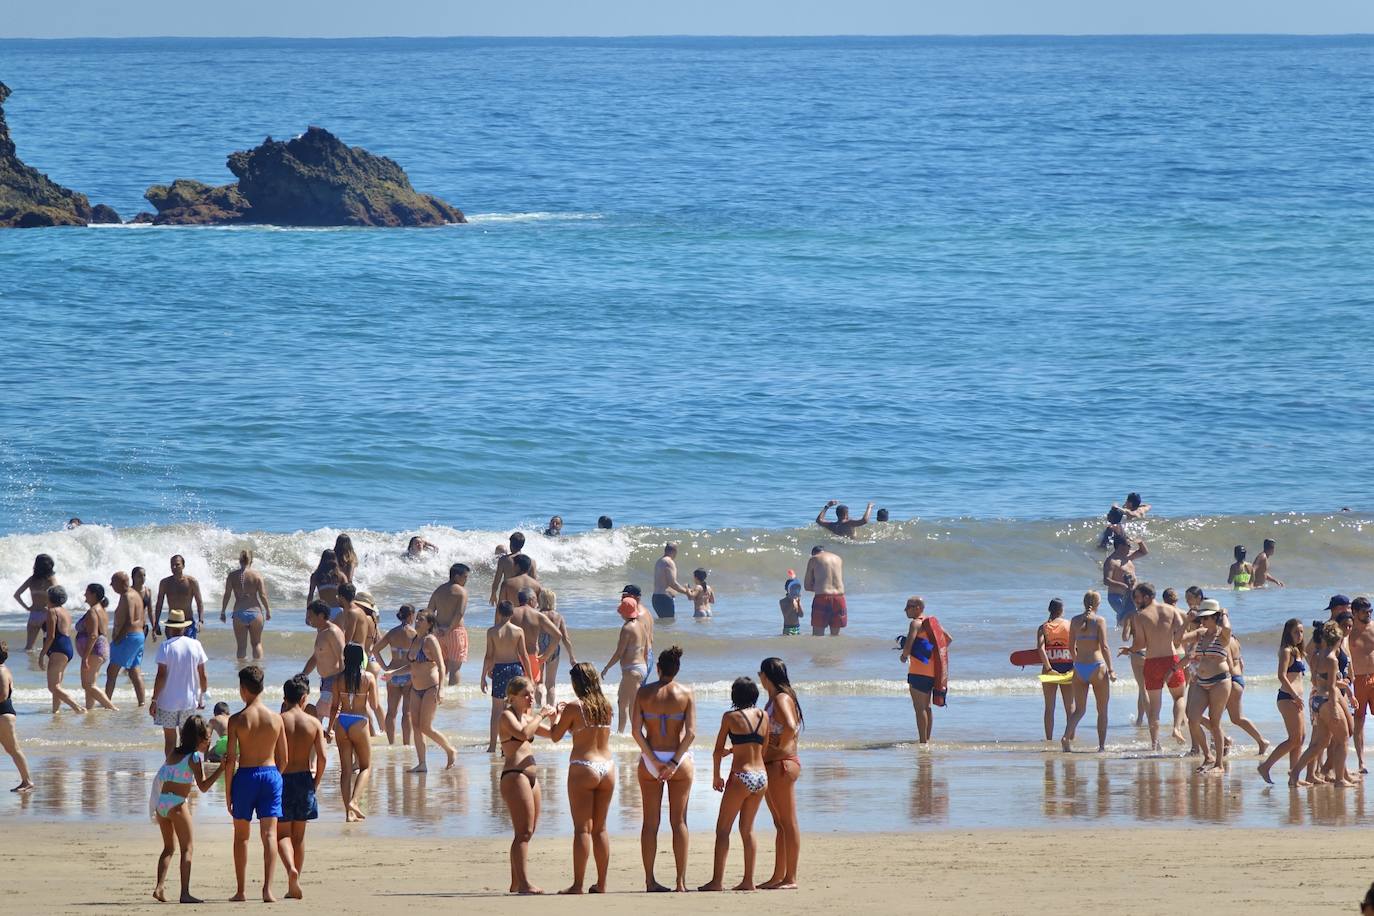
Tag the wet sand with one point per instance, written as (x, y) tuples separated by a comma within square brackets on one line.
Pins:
[(1138, 871)]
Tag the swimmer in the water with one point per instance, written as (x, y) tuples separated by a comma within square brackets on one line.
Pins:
[(1241, 572)]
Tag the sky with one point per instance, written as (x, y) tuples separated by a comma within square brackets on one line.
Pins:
[(361, 18)]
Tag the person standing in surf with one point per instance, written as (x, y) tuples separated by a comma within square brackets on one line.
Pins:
[(825, 581), (1118, 575), (1092, 667), (251, 610), (843, 526), (127, 637), (925, 651), (1056, 657), (449, 604), (1260, 574), (633, 651), (181, 592), (36, 586), (665, 584)]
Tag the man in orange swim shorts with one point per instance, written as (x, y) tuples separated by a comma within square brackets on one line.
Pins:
[(1361, 643)]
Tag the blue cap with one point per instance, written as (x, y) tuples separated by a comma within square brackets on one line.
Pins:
[(1337, 600)]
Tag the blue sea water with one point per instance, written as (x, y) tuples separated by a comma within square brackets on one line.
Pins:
[(707, 282)]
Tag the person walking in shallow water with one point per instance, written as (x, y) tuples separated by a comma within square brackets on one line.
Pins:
[(36, 586), (1056, 657), (251, 610), (9, 736), (1092, 667)]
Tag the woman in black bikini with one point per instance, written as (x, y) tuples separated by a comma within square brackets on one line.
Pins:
[(591, 774), (9, 737), (780, 758), (746, 726), (357, 693), (516, 729), (1291, 700)]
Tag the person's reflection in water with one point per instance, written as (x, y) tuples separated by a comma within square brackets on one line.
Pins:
[(929, 795), (1103, 807), (1330, 808), (1160, 788), (1212, 801), (1059, 792)]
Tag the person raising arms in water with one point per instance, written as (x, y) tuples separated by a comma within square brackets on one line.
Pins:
[(1056, 657), (745, 726), (665, 725), (843, 526), (1092, 668), (251, 611), (36, 586), (591, 774)]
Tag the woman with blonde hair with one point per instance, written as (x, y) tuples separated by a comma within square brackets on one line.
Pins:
[(591, 774), (1092, 667), (251, 610), (517, 728), (548, 606)]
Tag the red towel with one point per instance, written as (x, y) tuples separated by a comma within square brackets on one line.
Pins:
[(940, 658)]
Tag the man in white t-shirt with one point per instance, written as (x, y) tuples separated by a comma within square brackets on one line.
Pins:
[(179, 690)]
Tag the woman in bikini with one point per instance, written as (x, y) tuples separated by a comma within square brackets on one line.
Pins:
[(1241, 572), (9, 736), (93, 645), (356, 694), (347, 557), (548, 606), (1092, 667), (591, 774), (251, 611), (425, 662), (1329, 730), (399, 639), (36, 586), (1208, 647), (1291, 702), (182, 769), (785, 722), (326, 580), (746, 728), (58, 649), (516, 729), (664, 719)]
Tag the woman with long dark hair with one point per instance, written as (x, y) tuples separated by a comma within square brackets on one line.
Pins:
[(357, 694), (425, 662), (591, 774), (399, 638), (347, 556), (183, 768), (785, 722), (664, 726), (37, 586), (745, 726), (93, 645), (1291, 701), (326, 580)]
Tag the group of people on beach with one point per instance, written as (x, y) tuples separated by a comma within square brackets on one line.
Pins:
[(274, 761)]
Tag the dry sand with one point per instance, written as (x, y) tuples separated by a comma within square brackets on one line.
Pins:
[(67, 868)]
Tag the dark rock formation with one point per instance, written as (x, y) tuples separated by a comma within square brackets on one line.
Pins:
[(102, 214), (29, 199), (313, 180)]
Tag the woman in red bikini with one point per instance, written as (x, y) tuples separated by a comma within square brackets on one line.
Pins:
[(783, 766)]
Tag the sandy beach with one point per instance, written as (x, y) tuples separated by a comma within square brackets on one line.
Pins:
[(1145, 871)]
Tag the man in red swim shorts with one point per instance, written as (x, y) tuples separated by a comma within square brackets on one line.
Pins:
[(1361, 641), (1159, 671), (1157, 628), (825, 579)]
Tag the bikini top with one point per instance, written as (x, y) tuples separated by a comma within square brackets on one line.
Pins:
[(420, 653), (753, 737), (1298, 666), (1213, 648), (663, 719), (774, 726), (179, 772)]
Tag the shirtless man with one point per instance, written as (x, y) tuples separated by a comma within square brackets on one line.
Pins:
[(252, 774), (533, 622), (507, 657), (1260, 576), (1157, 628), (522, 577), (825, 580), (505, 566), (126, 637), (632, 651), (665, 583), (844, 526), (449, 604), (352, 620), (1118, 575), (327, 656), (180, 591), (1361, 642), (304, 740), (249, 592)]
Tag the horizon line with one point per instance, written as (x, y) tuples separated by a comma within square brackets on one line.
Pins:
[(507, 37)]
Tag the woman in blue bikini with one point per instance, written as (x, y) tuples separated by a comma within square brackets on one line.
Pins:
[(664, 725), (357, 694), (745, 726), (1092, 666), (591, 774), (398, 639)]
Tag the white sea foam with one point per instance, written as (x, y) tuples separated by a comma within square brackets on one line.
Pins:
[(531, 217)]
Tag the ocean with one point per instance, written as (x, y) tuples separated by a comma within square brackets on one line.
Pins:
[(709, 284)]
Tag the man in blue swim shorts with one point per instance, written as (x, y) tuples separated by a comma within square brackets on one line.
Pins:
[(126, 636), (1118, 574), (252, 770)]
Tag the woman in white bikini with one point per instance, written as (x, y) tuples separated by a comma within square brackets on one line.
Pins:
[(745, 726), (591, 774)]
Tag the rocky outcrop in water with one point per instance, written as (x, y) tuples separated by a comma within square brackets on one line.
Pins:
[(314, 180), (29, 199)]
